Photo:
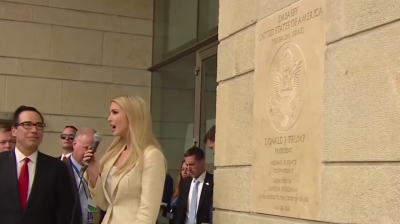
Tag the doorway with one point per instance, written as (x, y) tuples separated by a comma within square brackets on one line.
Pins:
[(205, 97)]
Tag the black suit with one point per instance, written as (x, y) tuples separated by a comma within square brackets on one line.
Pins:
[(102, 214), (167, 194), (71, 176), (203, 209), (50, 200)]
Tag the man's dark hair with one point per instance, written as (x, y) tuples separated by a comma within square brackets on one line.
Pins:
[(210, 135), (72, 127), (21, 109), (5, 128), (197, 152)]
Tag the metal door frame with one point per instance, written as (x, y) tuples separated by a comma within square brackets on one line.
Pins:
[(201, 55)]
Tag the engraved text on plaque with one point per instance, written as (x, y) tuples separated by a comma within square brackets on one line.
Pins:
[(290, 47)]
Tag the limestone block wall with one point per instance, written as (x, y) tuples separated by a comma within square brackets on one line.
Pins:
[(69, 58), (361, 114)]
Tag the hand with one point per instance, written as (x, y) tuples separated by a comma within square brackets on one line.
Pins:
[(93, 169)]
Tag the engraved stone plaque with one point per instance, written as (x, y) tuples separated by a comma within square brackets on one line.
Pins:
[(287, 125)]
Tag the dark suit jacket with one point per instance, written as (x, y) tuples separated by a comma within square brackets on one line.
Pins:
[(71, 177), (102, 214), (167, 194), (211, 212), (203, 210), (51, 198)]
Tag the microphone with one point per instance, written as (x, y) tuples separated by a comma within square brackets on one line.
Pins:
[(95, 145)]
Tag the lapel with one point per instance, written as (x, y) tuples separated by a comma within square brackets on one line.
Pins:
[(115, 178), (206, 190), (41, 176), (115, 181), (71, 176), (10, 176), (184, 195)]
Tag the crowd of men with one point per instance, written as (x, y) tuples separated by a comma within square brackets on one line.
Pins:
[(19, 144)]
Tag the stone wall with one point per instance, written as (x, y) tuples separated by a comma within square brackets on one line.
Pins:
[(69, 58), (360, 122)]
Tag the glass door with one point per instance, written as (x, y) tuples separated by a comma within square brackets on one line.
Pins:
[(205, 97)]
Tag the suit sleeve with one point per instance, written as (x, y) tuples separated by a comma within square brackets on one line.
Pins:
[(167, 194), (211, 212), (97, 194), (153, 178), (179, 208), (65, 197)]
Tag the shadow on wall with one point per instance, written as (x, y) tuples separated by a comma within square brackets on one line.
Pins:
[(6, 118)]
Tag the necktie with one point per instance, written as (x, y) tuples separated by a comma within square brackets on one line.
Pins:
[(193, 203), (23, 183)]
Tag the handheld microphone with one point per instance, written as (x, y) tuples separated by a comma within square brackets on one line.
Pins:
[(95, 145)]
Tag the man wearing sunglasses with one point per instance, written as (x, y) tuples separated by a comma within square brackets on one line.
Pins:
[(66, 140)]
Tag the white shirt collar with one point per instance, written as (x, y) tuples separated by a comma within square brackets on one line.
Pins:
[(20, 157), (201, 177), (75, 163), (66, 155)]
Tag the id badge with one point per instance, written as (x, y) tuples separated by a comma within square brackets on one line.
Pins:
[(92, 208), (89, 218)]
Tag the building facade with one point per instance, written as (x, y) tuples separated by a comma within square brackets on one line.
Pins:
[(70, 58), (319, 149)]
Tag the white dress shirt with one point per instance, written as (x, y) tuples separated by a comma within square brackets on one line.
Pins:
[(65, 156), (19, 157), (200, 187)]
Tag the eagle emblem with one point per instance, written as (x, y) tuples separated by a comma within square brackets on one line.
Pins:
[(285, 103)]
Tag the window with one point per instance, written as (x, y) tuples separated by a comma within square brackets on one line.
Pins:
[(172, 106), (180, 24), (208, 19)]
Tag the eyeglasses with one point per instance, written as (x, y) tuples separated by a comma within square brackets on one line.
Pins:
[(67, 137), (30, 125)]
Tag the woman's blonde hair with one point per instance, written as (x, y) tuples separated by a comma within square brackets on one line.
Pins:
[(140, 134)]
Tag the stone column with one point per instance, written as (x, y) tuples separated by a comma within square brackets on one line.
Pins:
[(308, 112)]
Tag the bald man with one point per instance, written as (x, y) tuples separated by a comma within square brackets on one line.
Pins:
[(85, 211)]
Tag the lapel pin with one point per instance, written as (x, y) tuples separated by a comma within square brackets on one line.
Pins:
[(207, 184)]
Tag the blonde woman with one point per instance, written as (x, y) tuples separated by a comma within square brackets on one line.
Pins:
[(129, 180)]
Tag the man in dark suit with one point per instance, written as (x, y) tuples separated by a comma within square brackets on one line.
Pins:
[(7, 141), (196, 193), (209, 140), (66, 139), (35, 188), (167, 194)]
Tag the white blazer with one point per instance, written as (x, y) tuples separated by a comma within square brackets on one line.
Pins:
[(136, 196)]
